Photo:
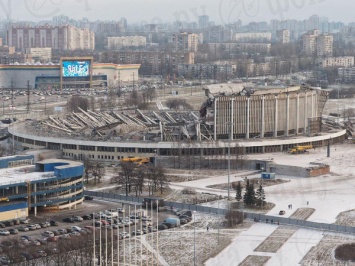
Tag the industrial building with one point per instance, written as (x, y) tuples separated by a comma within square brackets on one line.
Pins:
[(248, 120), (50, 75), (48, 185)]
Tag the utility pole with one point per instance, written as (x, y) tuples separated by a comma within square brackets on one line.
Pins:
[(28, 96), (12, 93), (133, 81)]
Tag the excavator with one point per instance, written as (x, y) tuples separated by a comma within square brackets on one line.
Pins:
[(300, 149), (136, 160)]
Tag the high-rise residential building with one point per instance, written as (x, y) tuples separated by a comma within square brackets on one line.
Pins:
[(55, 37), (253, 37), (318, 44), (185, 41), (283, 36), (203, 21), (114, 43), (325, 45)]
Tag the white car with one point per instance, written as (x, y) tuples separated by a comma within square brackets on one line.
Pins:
[(4, 232), (76, 228), (48, 234), (78, 219)]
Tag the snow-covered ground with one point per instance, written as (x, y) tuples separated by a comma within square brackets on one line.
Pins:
[(328, 195)]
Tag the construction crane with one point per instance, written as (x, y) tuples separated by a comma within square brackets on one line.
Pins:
[(300, 149)]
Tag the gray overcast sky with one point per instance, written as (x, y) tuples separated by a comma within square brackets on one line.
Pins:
[(153, 11)]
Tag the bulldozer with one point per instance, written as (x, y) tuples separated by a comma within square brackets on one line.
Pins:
[(300, 149)]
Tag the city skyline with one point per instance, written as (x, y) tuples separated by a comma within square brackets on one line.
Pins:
[(158, 11)]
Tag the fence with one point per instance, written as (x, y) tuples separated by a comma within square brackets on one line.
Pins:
[(247, 215)]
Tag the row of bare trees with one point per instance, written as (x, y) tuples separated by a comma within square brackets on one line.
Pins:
[(94, 170), (138, 177)]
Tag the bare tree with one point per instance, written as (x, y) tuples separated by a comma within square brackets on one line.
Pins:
[(75, 102)]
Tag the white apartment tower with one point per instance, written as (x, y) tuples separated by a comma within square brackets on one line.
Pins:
[(317, 44), (283, 36)]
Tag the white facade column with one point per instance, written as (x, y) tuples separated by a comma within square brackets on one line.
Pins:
[(276, 116), (215, 119), (297, 113), (312, 105), (248, 119), (287, 114), (232, 119), (35, 198), (305, 113), (262, 117)]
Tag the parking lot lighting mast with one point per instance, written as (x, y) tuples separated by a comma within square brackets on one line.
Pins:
[(94, 234), (194, 213), (100, 242), (157, 233)]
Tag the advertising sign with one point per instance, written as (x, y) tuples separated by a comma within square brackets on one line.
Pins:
[(76, 68)]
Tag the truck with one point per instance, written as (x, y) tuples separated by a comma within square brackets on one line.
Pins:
[(153, 202), (172, 220), (300, 149)]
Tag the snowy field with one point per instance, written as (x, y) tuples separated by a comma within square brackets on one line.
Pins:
[(328, 195)]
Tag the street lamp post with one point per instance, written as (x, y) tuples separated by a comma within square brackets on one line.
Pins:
[(194, 213), (229, 156)]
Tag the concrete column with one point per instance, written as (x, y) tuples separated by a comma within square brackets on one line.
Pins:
[(305, 113), (248, 119), (276, 116), (262, 117), (232, 119), (215, 119), (297, 113), (312, 106), (35, 198), (287, 114)]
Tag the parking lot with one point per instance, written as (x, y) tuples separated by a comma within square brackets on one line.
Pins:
[(48, 229)]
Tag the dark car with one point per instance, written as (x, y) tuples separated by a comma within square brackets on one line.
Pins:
[(86, 217), (169, 225), (68, 220), (27, 256), (53, 223), (183, 221), (13, 231), (88, 198), (16, 221), (162, 227), (2, 225), (9, 223)]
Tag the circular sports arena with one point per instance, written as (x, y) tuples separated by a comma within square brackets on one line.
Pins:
[(246, 122)]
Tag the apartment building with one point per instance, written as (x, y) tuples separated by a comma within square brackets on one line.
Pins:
[(185, 41), (216, 70), (342, 61), (317, 44), (40, 54), (55, 37), (152, 62), (283, 36), (249, 48), (346, 74), (116, 43), (253, 37)]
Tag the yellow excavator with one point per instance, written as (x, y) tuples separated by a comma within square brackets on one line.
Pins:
[(300, 149), (136, 160)]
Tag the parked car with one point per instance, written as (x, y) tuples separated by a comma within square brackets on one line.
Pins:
[(76, 228), (75, 233), (23, 228), (68, 220), (13, 231), (162, 227), (32, 227), (43, 225), (62, 231), (88, 198), (282, 212), (56, 233), (86, 217), (35, 243), (89, 227), (4, 232), (146, 218), (183, 221), (52, 239), (120, 210), (39, 254), (169, 225), (38, 226), (28, 238), (2, 225), (9, 223), (137, 233), (48, 234), (24, 221), (26, 255), (53, 223), (77, 219), (5, 260), (16, 221)]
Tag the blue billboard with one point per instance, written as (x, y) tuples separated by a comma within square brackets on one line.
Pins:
[(76, 68)]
